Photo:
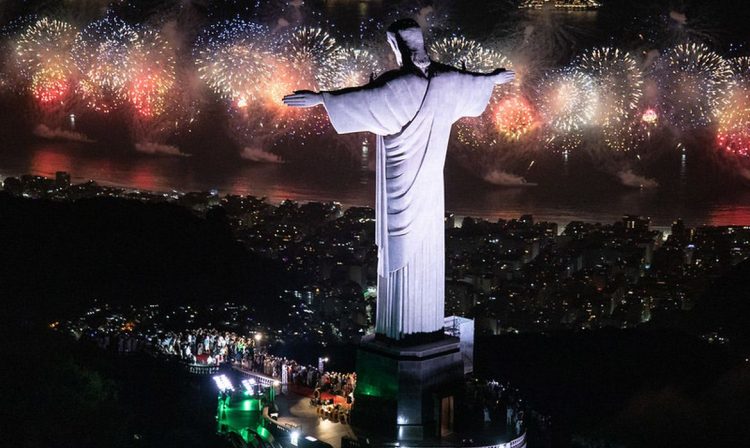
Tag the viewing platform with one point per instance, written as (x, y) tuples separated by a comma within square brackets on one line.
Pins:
[(285, 412)]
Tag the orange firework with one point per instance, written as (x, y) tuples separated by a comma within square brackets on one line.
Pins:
[(43, 54), (650, 116), (514, 117), (288, 121), (734, 122), (284, 81), (147, 94), (49, 85), (151, 73)]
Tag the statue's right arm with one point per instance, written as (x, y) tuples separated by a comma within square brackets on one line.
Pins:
[(368, 108), (308, 98), (303, 98)]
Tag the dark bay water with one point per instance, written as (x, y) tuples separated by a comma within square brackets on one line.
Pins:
[(563, 194)]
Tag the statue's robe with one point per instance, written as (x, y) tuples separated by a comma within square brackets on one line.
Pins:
[(412, 115)]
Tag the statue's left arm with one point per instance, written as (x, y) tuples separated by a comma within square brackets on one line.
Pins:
[(472, 91)]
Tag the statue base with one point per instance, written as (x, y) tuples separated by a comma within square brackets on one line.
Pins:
[(408, 392)]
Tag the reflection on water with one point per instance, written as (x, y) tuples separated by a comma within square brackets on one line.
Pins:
[(683, 169), (46, 161), (559, 201)]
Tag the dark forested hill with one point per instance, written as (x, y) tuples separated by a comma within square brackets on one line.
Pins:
[(55, 256)]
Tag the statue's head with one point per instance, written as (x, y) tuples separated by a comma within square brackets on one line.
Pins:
[(406, 40)]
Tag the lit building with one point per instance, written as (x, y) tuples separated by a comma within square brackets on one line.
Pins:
[(638, 223), (62, 179), (560, 4)]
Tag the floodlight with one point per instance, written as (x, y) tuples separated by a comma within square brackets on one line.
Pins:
[(248, 385), (295, 438), (223, 383)]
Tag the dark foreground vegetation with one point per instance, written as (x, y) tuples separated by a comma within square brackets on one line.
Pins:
[(61, 393), (639, 388)]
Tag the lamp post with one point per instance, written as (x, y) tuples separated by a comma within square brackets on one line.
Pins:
[(321, 364)]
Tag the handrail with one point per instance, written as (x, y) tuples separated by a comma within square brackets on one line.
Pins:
[(202, 369), (519, 442), (263, 380)]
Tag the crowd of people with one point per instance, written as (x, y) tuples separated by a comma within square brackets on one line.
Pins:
[(297, 374), (210, 347), (214, 347), (203, 346)]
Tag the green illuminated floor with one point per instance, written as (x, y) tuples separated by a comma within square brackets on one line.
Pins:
[(242, 414)]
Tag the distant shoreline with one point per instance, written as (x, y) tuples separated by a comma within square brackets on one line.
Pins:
[(665, 229)]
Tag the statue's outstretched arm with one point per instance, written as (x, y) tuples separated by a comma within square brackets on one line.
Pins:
[(308, 98), (500, 75), (303, 98), (471, 92)]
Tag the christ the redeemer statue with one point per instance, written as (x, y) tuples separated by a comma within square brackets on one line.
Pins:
[(411, 110)]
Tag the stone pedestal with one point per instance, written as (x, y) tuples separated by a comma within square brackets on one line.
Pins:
[(407, 393)]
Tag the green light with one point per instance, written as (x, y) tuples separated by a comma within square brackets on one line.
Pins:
[(263, 432)]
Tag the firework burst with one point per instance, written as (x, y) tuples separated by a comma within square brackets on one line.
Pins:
[(357, 68), (152, 74), (740, 71), (619, 80), (43, 55), (650, 117), (693, 85), (459, 52), (734, 129), (233, 59), (314, 53), (568, 101), (101, 54), (733, 134), (514, 117), (616, 72)]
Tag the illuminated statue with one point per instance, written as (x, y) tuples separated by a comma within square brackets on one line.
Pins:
[(411, 111)]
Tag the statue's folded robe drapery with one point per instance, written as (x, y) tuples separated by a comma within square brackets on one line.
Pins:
[(412, 117)]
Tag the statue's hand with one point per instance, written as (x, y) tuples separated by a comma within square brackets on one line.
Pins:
[(303, 98), (503, 76)]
